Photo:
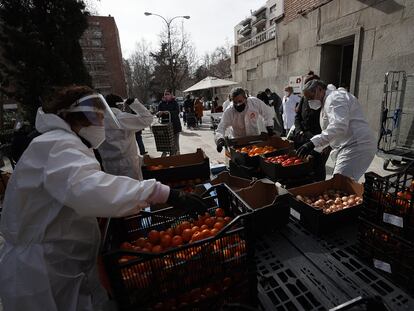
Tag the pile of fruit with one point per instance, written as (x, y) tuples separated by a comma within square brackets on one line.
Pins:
[(285, 160), (254, 150), (331, 200), (202, 294), (185, 232)]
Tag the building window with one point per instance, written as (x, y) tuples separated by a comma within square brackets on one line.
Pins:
[(251, 74), (273, 9), (96, 43)]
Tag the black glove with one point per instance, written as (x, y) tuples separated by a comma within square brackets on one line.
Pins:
[(306, 149), (270, 131), (129, 101), (189, 203), (220, 144)]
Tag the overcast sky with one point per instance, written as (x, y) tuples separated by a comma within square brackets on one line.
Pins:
[(212, 21)]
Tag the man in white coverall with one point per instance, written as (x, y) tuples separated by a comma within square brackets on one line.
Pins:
[(57, 190), (244, 117), (119, 151), (344, 128)]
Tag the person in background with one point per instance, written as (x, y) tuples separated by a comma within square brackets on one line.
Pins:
[(52, 237), (306, 126), (276, 102), (263, 97), (344, 129), (169, 110), (119, 151), (227, 103), (289, 103), (243, 116), (246, 91), (215, 105), (188, 107), (199, 110)]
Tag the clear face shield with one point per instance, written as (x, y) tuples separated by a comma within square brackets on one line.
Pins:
[(94, 108)]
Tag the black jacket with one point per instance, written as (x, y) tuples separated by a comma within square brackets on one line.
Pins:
[(307, 119), (174, 110)]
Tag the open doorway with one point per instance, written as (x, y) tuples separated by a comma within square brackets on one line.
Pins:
[(337, 62)]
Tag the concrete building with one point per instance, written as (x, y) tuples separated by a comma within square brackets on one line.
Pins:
[(350, 43), (102, 55)]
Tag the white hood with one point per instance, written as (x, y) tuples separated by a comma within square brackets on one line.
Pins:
[(48, 121)]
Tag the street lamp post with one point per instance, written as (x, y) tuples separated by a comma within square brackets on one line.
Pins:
[(168, 23)]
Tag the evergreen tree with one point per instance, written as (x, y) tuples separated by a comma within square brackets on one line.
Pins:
[(39, 48)]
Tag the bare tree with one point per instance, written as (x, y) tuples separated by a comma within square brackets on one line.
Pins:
[(142, 67), (174, 64)]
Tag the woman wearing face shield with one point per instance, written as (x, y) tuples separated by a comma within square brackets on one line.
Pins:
[(344, 129), (244, 117), (119, 151), (51, 203)]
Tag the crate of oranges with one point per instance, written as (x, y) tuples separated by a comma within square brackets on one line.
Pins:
[(168, 261), (249, 155)]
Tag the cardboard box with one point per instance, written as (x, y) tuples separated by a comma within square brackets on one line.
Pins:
[(315, 219), (184, 167), (268, 202)]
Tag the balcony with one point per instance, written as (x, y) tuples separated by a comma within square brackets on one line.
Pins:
[(258, 39), (260, 20), (246, 30)]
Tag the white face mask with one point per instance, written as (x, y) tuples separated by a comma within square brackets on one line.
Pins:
[(314, 104), (95, 135)]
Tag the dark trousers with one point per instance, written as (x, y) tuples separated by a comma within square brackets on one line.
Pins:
[(138, 137)]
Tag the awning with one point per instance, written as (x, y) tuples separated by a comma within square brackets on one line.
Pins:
[(208, 83)]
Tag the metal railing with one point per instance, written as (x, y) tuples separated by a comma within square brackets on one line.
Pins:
[(257, 39)]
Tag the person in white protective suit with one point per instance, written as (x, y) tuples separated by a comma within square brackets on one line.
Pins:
[(51, 203), (119, 151), (344, 128), (289, 104), (245, 116)]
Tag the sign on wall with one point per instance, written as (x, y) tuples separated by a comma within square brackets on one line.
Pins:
[(297, 83)]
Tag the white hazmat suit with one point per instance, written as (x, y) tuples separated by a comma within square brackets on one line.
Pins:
[(251, 121), (289, 110), (49, 220), (119, 151), (345, 129)]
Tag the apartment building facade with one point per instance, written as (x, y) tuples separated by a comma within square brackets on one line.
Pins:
[(102, 55), (350, 43)]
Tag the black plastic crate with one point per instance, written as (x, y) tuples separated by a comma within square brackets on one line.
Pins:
[(277, 172), (240, 158), (220, 269), (233, 182), (314, 219), (245, 172), (386, 251), (388, 202), (178, 169), (268, 203)]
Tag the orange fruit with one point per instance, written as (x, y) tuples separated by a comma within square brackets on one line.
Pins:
[(140, 242), (205, 234), (187, 234), (214, 231), (157, 249), (178, 230), (227, 220), (209, 222), (165, 240), (218, 225), (203, 227), (170, 231), (196, 236), (148, 245), (219, 212), (195, 229), (177, 241), (154, 236), (185, 225)]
